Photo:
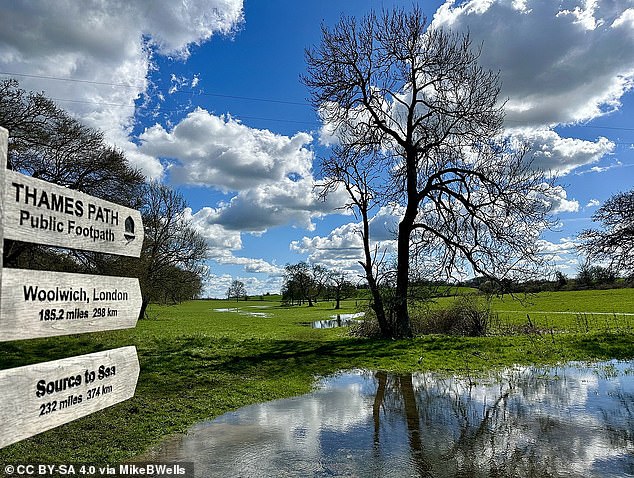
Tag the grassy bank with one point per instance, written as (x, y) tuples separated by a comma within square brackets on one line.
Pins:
[(198, 362)]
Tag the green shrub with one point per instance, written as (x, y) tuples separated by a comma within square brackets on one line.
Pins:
[(467, 316)]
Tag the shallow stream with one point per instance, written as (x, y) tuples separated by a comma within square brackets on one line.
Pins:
[(576, 420)]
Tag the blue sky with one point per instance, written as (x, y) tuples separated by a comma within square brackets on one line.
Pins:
[(206, 97)]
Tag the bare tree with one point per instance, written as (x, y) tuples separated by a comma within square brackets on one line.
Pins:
[(341, 287), (417, 124), (170, 243), (613, 243), (319, 277), (236, 290)]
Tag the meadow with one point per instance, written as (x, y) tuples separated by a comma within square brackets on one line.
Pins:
[(203, 358)]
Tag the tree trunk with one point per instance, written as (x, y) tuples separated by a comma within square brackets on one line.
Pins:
[(402, 325), (377, 300), (379, 308), (144, 303)]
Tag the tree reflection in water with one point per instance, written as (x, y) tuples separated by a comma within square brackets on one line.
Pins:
[(530, 423), (526, 422)]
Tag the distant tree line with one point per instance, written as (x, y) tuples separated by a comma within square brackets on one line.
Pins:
[(307, 284), (588, 277), (46, 142)]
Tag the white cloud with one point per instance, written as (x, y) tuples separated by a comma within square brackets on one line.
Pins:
[(555, 200), (602, 169), (221, 152), (252, 265), (564, 246), (551, 152), (107, 47), (217, 285), (271, 173), (558, 66), (563, 255), (342, 248), (223, 242), (219, 240), (593, 203)]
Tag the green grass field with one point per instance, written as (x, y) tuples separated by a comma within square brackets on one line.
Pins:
[(198, 362), (569, 311)]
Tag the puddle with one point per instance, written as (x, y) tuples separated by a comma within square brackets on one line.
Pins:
[(573, 421), (257, 314), (339, 320), (242, 312)]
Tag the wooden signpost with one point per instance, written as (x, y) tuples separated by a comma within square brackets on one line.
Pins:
[(59, 303), (39, 397), (46, 213), (33, 304)]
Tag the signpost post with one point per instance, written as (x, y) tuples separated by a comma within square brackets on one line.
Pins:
[(33, 304)]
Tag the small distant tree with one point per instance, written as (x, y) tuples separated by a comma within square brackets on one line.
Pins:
[(560, 279), (237, 290), (298, 283), (341, 288), (614, 241)]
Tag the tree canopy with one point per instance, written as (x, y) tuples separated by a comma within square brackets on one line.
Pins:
[(236, 290), (172, 248)]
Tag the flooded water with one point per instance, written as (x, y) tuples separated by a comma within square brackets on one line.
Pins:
[(339, 320), (573, 421), (243, 312)]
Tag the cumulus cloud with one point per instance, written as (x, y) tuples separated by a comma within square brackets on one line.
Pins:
[(555, 200), (558, 66), (222, 242), (593, 203), (550, 152), (104, 52), (342, 248), (219, 239), (563, 255), (565, 245), (271, 174), (221, 152)]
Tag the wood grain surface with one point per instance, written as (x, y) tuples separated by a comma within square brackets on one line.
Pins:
[(38, 397)]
